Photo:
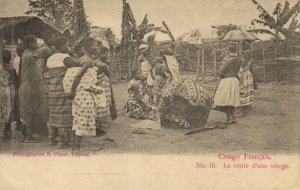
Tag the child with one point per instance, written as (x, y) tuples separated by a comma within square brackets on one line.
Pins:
[(103, 101), (8, 96)]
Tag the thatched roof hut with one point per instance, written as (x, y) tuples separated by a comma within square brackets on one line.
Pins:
[(14, 28), (18, 27)]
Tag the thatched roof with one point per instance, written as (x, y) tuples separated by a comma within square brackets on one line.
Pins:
[(105, 35), (24, 25)]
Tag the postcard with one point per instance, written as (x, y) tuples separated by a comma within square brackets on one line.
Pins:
[(147, 95)]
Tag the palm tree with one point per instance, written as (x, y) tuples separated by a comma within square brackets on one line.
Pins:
[(275, 23)]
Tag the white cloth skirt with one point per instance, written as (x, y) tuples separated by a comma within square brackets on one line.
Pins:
[(228, 93)]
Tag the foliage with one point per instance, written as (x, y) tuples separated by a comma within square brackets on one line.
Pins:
[(193, 37), (52, 11), (275, 24), (79, 24), (132, 36), (186, 56)]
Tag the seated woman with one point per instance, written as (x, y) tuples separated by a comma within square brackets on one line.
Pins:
[(136, 107), (246, 83)]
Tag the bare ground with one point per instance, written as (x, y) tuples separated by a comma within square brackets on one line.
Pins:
[(271, 127)]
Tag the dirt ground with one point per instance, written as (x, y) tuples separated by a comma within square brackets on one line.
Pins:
[(271, 127)]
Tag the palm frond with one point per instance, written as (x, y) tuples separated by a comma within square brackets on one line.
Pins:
[(286, 8), (263, 14), (294, 24), (144, 22), (264, 23), (295, 10), (277, 10), (262, 31)]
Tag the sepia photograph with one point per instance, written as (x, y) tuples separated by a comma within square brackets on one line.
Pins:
[(149, 94)]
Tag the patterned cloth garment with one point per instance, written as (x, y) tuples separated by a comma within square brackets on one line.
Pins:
[(246, 85), (83, 108), (184, 101), (135, 106), (8, 96)]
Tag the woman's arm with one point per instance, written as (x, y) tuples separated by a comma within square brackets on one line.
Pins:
[(78, 78), (95, 89), (222, 70), (167, 70)]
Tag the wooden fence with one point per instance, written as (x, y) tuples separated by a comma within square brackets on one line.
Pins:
[(206, 65)]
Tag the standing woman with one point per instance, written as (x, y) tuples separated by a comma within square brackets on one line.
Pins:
[(171, 64), (227, 95), (17, 65), (31, 90), (85, 95), (60, 106), (82, 91)]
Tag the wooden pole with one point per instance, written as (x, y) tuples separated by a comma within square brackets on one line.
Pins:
[(203, 68), (198, 63), (135, 63), (13, 41), (129, 68), (276, 73), (215, 64), (169, 31), (264, 63)]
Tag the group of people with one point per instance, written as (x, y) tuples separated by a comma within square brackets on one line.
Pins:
[(66, 92), (64, 89), (235, 91), (146, 84)]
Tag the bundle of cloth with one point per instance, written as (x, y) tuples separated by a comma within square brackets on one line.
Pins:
[(184, 104)]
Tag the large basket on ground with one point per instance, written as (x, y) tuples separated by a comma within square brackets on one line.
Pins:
[(184, 104)]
